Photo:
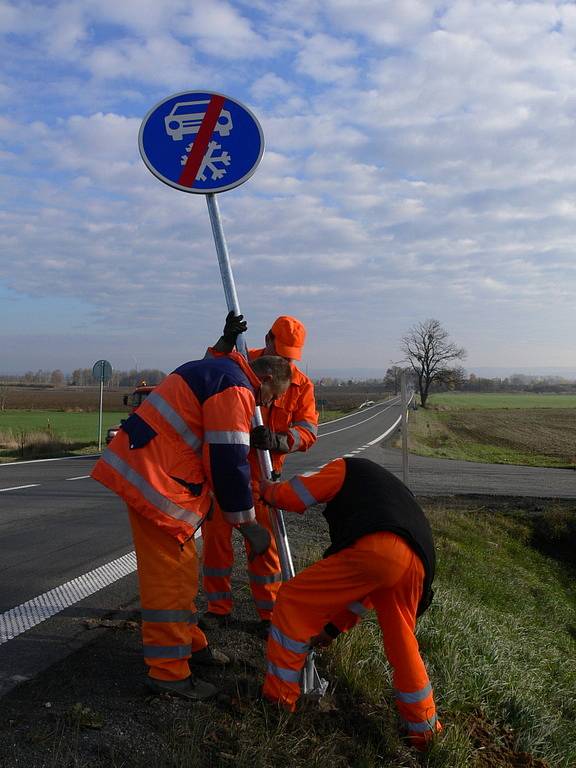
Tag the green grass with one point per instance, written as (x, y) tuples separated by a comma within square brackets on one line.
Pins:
[(499, 642), (48, 434), (457, 401), (76, 426)]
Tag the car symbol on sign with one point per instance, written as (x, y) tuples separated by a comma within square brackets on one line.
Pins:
[(186, 117)]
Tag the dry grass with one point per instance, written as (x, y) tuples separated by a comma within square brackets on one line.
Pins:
[(537, 437)]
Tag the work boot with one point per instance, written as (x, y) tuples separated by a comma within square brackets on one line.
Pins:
[(263, 629), (211, 620), (209, 657), (190, 688)]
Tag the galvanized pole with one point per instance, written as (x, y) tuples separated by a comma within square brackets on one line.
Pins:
[(404, 399), (311, 682), (100, 409)]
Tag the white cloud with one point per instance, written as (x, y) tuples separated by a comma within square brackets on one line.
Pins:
[(323, 58)]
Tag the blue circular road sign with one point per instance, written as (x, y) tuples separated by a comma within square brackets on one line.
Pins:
[(200, 141)]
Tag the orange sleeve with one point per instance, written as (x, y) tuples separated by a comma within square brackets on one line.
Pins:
[(303, 491), (304, 426)]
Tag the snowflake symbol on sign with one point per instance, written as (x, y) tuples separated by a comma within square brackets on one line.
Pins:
[(210, 161)]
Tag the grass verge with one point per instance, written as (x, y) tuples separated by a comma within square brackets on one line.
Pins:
[(499, 640)]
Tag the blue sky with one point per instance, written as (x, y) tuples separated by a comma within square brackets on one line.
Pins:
[(420, 162)]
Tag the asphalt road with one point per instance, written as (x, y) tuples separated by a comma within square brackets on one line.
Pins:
[(57, 525)]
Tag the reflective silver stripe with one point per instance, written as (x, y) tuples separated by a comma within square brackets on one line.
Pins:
[(266, 605), (175, 420), (357, 608), (243, 516), (302, 492), (153, 615), (216, 571), (287, 642), (227, 437), (412, 698), (212, 596), (306, 425), (289, 675), (167, 651), (150, 494), (297, 439), (422, 726), (273, 578)]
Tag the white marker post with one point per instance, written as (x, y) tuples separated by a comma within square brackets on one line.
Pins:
[(102, 370), (404, 399)]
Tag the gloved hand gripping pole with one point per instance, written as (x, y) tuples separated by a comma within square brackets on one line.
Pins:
[(311, 682)]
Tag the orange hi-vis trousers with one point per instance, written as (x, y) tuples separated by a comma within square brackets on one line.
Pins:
[(379, 569), (264, 571), (168, 578)]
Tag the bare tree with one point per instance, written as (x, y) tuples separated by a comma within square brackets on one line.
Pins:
[(428, 349)]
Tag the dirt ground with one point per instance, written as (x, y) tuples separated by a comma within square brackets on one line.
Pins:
[(92, 709)]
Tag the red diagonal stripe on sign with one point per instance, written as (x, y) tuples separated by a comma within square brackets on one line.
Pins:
[(188, 175)]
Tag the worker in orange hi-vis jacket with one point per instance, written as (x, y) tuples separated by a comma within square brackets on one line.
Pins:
[(186, 445), (381, 556), (290, 424)]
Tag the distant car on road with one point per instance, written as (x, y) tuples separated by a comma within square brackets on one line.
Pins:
[(366, 403), (186, 117), (134, 399)]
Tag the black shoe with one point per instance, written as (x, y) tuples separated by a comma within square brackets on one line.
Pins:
[(211, 620), (190, 688), (209, 657), (263, 629)]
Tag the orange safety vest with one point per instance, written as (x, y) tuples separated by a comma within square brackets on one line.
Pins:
[(188, 440), (293, 414)]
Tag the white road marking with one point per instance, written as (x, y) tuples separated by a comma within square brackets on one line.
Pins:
[(391, 401), (19, 487), (81, 477), (60, 458), (357, 424), (385, 434), (27, 615)]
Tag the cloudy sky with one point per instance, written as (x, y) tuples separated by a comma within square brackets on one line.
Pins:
[(420, 163)]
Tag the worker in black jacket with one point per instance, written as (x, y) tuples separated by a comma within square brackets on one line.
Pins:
[(381, 556)]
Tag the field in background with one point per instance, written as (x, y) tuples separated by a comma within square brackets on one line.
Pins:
[(45, 434), (466, 400), (532, 430), (44, 422)]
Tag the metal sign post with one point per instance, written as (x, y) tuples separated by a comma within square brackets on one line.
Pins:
[(404, 398), (102, 370), (205, 142)]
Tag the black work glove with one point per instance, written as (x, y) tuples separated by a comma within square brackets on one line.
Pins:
[(233, 327), (264, 439), (257, 537)]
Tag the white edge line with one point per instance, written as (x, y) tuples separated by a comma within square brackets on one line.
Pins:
[(81, 477), (361, 410), (351, 426), (27, 615), (385, 434), (19, 487), (39, 461)]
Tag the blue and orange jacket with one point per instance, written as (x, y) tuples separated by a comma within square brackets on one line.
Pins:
[(188, 440)]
